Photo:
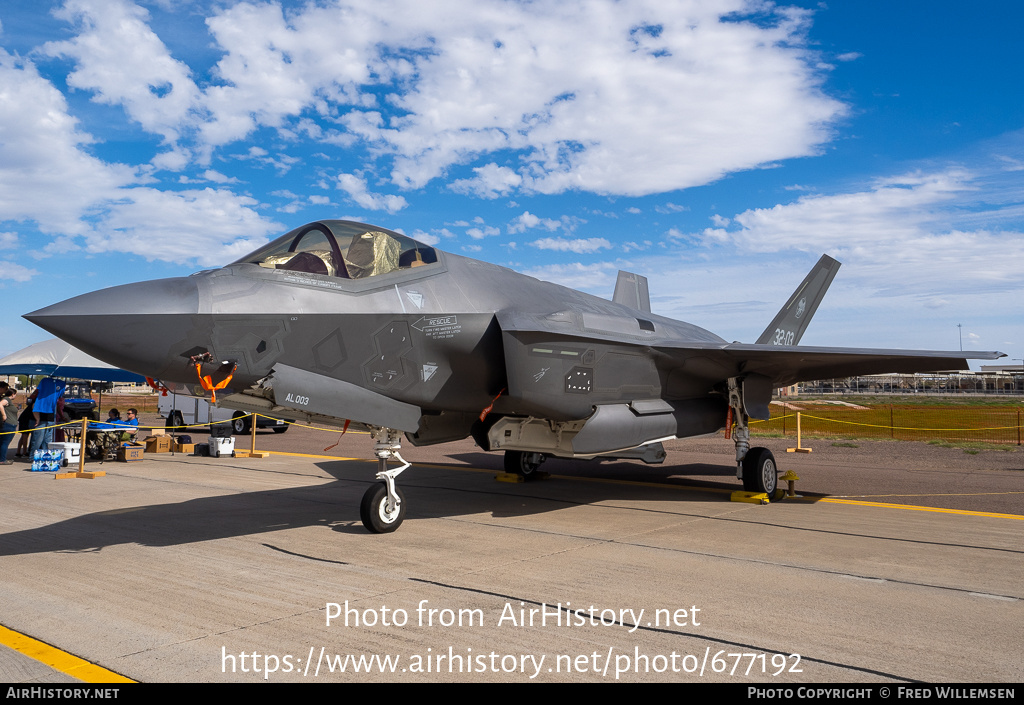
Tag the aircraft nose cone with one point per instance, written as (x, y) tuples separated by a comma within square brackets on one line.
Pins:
[(138, 327)]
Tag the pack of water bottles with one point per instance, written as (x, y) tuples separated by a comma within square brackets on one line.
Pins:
[(45, 460)]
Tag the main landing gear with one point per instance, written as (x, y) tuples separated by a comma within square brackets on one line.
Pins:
[(383, 507), (755, 466), (524, 463)]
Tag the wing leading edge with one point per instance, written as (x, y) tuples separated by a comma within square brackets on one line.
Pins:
[(789, 365)]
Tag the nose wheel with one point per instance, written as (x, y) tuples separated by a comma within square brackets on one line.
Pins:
[(382, 509), (379, 514)]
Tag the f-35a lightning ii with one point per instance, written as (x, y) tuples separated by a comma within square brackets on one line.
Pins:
[(338, 321)]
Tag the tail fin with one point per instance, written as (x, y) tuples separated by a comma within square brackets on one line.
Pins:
[(631, 290), (789, 324)]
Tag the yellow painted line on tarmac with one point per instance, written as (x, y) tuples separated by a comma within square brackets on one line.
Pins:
[(59, 660), (310, 455), (933, 494), (887, 505)]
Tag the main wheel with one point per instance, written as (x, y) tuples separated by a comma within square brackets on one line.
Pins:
[(760, 473), (373, 510), (524, 463), (174, 419), (241, 423), (280, 429)]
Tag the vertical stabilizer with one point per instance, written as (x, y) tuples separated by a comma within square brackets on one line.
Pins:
[(790, 323), (631, 290)]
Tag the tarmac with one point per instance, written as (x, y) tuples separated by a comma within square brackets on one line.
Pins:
[(902, 564)]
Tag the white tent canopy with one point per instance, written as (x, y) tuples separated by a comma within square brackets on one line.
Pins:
[(56, 358)]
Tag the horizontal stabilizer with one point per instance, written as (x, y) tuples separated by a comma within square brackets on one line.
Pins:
[(790, 323), (631, 290)]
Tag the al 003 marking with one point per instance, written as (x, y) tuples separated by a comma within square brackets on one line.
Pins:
[(295, 399), (783, 337)]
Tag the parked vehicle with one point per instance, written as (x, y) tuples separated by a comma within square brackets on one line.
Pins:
[(180, 410), (78, 402)]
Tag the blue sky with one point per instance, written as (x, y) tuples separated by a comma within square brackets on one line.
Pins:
[(717, 147)]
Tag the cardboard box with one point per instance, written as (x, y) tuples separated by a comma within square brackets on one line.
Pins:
[(130, 452), (158, 444), (187, 448)]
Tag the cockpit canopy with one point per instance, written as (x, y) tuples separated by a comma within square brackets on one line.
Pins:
[(342, 248)]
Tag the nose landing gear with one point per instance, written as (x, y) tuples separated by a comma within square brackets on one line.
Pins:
[(382, 509)]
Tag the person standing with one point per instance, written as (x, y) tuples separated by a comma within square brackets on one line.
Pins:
[(45, 410), (26, 422), (8, 423)]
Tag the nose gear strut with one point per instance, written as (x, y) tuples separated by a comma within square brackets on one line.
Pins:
[(383, 507)]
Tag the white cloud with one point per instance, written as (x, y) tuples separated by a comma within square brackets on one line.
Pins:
[(218, 178), (45, 173), (124, 63), (210, 226), (425, 237), (491, 181), (890, 214), (171, 160), (46, 176), (14, 272), (579, 246), (586, 277), (528, 220), (901, 235), (482, 232), (636, 246), (591, 95), (357, 190), (1009, 163)]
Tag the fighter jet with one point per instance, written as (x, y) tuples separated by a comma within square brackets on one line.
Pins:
[(339, 321)]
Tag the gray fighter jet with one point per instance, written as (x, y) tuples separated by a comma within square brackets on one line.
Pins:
[(337, 321)]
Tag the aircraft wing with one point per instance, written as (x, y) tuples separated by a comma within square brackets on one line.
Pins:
[(788, 365), (679, 368), (719, 360)]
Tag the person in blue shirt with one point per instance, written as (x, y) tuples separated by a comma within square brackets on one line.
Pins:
[(44, 408), (131, 418)]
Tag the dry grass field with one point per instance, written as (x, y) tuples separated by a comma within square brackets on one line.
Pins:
[(995, 421)]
